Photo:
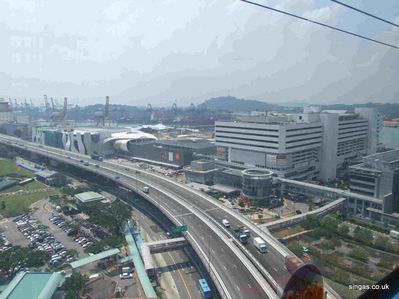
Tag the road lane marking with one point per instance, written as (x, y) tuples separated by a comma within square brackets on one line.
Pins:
[(182, 278), (275, 269)]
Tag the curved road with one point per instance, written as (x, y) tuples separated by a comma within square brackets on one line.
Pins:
[(239, 278)]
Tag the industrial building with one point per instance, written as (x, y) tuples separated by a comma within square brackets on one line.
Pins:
[(51, 178), (304, 146), (88, 197), (378, 177)]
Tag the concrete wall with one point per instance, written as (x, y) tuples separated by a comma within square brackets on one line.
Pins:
[(328, 161)]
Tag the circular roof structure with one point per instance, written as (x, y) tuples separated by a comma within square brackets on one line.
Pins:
[(257, 172)]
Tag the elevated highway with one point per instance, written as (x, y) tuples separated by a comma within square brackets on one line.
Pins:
[(238, 271), (232, 272)]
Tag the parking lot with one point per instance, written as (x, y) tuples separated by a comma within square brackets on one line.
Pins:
[(41, 239), (9, 229), (43, 212), (48, 231)]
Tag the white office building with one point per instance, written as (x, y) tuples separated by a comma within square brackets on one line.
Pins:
[(309, 145)]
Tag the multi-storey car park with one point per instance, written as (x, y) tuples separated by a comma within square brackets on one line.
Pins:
[(309, 145)]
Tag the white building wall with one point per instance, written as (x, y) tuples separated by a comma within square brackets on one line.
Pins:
[(328, 163), (375, 124)]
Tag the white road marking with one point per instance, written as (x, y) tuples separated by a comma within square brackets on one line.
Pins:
[(275, 269), (235, 266), (238, 288), (249, 285)]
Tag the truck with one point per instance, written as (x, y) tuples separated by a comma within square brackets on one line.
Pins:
[(241, 236), (292, 263), (96, 156), (394, 234), (245, 230), (146, 189), (260, 245)]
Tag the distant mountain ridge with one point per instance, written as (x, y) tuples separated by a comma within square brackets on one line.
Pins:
[(234, 104)]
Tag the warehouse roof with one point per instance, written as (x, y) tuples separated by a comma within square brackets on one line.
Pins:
[(29, 285), (46, 173), (89, 196)]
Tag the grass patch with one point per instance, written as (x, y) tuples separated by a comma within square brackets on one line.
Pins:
[(343, 290), (286, 232), (29, 186), (18, 204), (9, 166)]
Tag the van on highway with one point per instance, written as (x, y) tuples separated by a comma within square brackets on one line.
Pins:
[(226, 223)]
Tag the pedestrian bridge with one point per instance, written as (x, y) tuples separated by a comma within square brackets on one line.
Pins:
[(166, 245)]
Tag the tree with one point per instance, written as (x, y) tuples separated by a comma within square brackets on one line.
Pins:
[(296, 248), (3, 205), (14, 258), (74, 284), (359, 253), (383, 243), (363, 235), (329, 223), (340, 276), (111, 216), (72, 252), (260, 217), (343, 230), (311, 221), (241, 204), (359, 268)]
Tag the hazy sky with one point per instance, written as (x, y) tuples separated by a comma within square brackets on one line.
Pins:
[(153, 51)]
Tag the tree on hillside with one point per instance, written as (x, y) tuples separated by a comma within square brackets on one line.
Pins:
[(74, 284)]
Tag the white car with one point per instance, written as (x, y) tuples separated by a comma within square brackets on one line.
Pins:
[(226, 223), (125, 275)]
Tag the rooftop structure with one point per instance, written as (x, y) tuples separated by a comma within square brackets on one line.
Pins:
[(50, 177), (46, 174), (87, 197), (29, 285)]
